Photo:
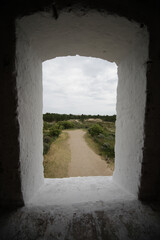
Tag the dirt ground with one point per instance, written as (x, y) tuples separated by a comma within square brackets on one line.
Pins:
[(84, 162)]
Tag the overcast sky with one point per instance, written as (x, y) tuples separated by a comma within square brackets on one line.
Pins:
[(79, 85)]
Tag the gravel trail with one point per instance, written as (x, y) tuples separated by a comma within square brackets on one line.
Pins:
[(84, 162)]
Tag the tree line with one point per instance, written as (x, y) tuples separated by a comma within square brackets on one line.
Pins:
[(51, 117)]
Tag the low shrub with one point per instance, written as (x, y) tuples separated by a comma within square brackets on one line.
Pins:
[(95, 130), (46, 125), (46, 147), (55, 130), (104, 139), (101, 135), (108, 149), (77, 125), (47, 139), (49, 136), (66, 124)]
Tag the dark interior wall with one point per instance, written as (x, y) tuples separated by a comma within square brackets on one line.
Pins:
[(10, 186), (145, 12), (150, 178), (141, 11)]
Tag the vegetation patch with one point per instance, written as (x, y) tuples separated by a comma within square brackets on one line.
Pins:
[(93, 145), (50, 133), (51, 117), (100, 137), (65, 124), (58, 157)]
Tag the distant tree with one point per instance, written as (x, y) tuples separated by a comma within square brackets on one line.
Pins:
[(55, 117)]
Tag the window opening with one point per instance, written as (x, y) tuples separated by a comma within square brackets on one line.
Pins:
[(79, 113)]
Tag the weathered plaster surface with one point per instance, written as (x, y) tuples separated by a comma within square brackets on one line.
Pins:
[(131, 101), (93, 34), (29, 87), (67, 191), (83, 218)]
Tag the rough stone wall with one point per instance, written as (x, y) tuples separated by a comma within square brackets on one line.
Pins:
[(29, 87)]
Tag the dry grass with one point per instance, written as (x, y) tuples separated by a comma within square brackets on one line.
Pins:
[(57, 159)]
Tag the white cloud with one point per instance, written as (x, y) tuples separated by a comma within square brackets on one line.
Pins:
[(79, 85)]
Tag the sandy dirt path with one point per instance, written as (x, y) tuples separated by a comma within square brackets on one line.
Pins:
[(84, 162)]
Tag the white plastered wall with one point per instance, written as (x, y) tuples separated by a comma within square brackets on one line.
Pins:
[(41, 37), (131, 100), (29, 86)]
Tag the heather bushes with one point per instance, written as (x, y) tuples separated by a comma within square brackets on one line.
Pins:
[(105, 140), (52, 130), (55, 130), (50, 133)]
